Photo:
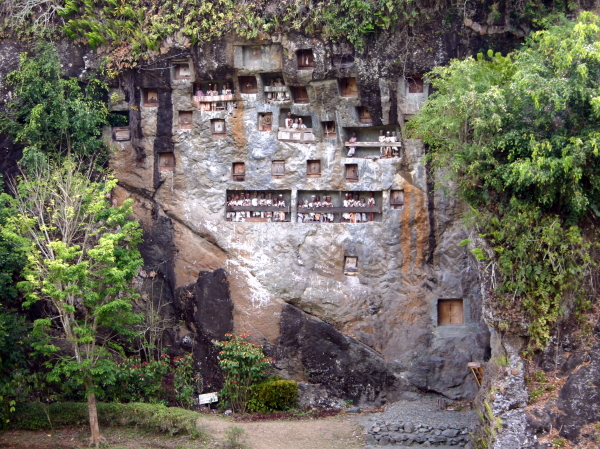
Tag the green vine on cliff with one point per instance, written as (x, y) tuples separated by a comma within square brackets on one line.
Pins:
[(520, 138)]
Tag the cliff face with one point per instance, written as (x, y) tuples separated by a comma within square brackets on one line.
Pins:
[(368, 334)]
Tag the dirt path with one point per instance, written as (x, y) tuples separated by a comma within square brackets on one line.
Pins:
[(338, 432)]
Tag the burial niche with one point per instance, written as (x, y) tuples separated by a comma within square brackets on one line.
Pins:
[(397, 199), (414, 85), (306, 60), (350, 265), (252, 56), (239, 171), (150, 98), (351, 172), (258, 206), (329, 130), (274, 87), (320, 206), (278, 169), (186, 120), (450, 312), (119, 122), (214, 96), (248, 84), (293, 128), (313, 169), (217, 127), (349, 87), (300, 95), (166, 162), (182, 70), (364, 115), (265, 121)]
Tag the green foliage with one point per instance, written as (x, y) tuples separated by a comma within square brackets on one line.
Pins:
[(12, 255), (233, 438), (32, 416), (138, 381), (244, 364), (153, 381), (82, 256), (272, 395), (184, 381), (52, 115), (489, 427), (519, 137), (559, 442)]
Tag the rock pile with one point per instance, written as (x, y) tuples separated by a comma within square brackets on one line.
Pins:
[(408, 434)]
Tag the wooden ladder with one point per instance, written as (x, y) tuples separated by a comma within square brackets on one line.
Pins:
[(477, 371)]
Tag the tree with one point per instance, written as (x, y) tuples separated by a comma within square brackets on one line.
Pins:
[(519, 135), (82, 257), (50, 114)]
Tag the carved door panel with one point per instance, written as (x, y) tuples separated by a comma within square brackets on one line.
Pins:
[(450, 312), (239, 171), (397, 199), (278, 169), (313, 169)]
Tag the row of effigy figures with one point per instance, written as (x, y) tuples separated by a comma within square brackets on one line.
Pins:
[(354, 201), (280, 95), (394, 150), (307, 213), (268, 200), (314, 217), (213, 100), (391, 151)]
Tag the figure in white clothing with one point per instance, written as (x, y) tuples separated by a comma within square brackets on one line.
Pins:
[(351, 150), (346, 215), (300, 214), (281, 203), (362, 203), (295, 124), (269, 203), (301, 124), (289, 121), (228, 204), (382, 140), (371, 203), (255, 204), (262, 202)]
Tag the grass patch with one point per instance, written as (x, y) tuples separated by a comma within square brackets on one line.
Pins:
[(154, 417)]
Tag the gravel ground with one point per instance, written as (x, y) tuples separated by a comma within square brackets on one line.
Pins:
[(423, 410)]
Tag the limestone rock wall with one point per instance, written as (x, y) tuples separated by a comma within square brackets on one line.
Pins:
[(366, 337)]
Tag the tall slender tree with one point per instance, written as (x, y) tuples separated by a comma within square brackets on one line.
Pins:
[(82, 258)]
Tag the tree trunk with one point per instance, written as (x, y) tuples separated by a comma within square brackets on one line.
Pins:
[(93, 412)]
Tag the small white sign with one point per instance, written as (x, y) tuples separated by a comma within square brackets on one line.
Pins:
[(208, 398)]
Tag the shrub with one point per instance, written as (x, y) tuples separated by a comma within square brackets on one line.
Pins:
[(244, 364), (274, 394), (154, 381), (156, 417)]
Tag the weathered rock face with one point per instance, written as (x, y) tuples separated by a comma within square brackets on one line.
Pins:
[(368, 336), (365, 337)]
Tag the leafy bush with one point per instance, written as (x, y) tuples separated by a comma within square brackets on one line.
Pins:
[(244, 364), (154, 381), (519, 137), (52, 115), (156, 417), (272, 395)]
